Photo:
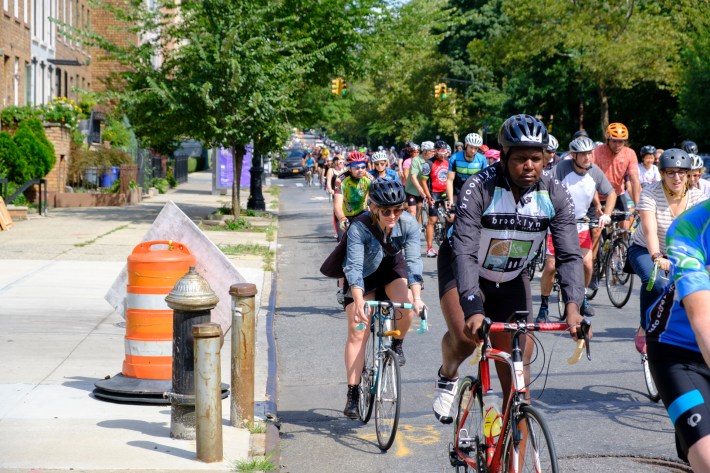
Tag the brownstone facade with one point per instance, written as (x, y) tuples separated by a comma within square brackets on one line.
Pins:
[(15, 53), (105, 24), (70, 78)]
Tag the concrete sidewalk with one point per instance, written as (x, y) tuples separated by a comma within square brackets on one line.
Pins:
[(58, 336)]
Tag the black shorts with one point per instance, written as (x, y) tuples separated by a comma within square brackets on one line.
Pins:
[(413, 200), (683, 381), (391, 268), (499, 301), (438, 202)]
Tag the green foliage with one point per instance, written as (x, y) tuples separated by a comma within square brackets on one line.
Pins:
[(12, 116), (159, 183), (694, 97), (11, 162), (170, 177), (101, 159), (60, 110), (191, 164), (117, 133), (238, 224), (37, 156)]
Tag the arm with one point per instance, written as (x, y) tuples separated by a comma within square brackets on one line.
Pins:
[(610, 203), (412, 250), (328, 178), (450, 188), (697, 307), (634, 181), (424, 187)]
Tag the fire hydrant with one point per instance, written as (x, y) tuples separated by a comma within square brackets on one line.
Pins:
[(191, 299)]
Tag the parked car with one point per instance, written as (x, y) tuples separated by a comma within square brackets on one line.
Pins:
[(290, 164)]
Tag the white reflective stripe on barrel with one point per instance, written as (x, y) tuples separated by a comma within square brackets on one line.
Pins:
[(153, 348), (146, 301)]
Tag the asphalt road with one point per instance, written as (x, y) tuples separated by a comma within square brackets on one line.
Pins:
[(598, 411)]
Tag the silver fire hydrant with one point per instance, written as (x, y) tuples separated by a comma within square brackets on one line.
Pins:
[(191, 299)]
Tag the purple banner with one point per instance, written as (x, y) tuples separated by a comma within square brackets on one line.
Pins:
[(225, 167)]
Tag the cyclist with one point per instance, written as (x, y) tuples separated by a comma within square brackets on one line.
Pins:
[(434, 180), (350, 191), (648, 171), (550, 157), (309, 166), (383, 261), (409, 151), (334, 171), (679, 337), (393, 159), (381, 169), (689, 147), (464, 164), (413, 188), (502, 215), (458, 146), (583, 180), (492, 156), (695, 175), (660, 203)]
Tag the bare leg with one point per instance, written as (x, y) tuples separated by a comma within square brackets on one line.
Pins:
[(455, 346)]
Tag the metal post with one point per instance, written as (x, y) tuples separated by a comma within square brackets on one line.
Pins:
[(208, 392), (243, 351)]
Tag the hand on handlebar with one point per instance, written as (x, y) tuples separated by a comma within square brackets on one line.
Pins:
[(472, 327), (663, 263), (362, 313), (604, 220)]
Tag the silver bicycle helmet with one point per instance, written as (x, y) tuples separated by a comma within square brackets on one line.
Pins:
[(378, 156), (474, 139), (427, 146), (696, 161), (582, 144), (552, 144)]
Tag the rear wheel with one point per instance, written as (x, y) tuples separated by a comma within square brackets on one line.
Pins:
[(596, 275), (469, 452), (387, 401), (367, 380), (560, 302), (618, 283), (531, 444)]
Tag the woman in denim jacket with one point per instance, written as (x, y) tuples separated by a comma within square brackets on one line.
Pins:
[(383, 262)]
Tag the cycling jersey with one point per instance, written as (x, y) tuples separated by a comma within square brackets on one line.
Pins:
[(688, 247), (354, 193), (616, 166), (390, 174), (436, 172), (582, 187), (310, 163), (464, 169), (494, 237), (415, 171)]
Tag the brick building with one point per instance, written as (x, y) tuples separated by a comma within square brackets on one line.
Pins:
[(69, 70), (14, 52), (105, 24)]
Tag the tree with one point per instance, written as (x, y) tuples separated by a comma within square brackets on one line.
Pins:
[(694, 96)]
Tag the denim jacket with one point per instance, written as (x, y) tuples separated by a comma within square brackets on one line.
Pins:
[(365, 253)]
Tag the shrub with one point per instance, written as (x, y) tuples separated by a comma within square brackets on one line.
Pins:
[(102, 159), (39, 159), (191, 164), (10, 158), (159, 183), (117, 133)]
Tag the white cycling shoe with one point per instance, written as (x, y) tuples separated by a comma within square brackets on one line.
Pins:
[(444, 399)]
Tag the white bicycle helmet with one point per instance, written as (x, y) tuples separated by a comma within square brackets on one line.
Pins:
[(552, 144), (697, 161), (378, 156), (474, 139), (427, 146), (581, 145)]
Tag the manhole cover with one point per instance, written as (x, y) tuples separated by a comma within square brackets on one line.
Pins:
[(621, 464)]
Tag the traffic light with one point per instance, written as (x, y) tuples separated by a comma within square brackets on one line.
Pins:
[(335, 86), (437, 91), (343, 87), (442, 90)]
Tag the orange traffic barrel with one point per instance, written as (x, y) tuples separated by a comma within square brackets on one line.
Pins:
[(153, 269)]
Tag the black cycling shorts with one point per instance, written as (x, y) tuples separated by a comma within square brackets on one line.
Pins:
[(438, 202), (413, 200), (683, 381), (391, 268), (499, 300)]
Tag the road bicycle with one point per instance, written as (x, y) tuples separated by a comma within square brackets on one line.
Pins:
[(537, 262), (610, 260), (440, 225), (653, 394), (380, 381), (524, 442), (309, 176)]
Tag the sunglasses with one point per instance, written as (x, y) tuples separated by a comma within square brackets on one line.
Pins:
[(617, 141), (388, 212), (358, 167), (380, 163)]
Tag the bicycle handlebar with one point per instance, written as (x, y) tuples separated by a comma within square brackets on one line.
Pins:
[(523, 326), (423, 314)]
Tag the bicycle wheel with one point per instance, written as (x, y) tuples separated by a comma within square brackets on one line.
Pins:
[(650, 385), (596, 275), (560, 302), (469, 441), (531, 267), (618, 283), (367, 380), (541, 256), (387, 401), (534, 449)]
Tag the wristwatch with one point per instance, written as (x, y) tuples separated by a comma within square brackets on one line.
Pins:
[(656, 255)]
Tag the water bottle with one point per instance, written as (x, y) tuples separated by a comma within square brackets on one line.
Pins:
[(492, 422), (387, 326)]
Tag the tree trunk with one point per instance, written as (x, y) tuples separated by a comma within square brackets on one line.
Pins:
[(604, 109), (238, 152)]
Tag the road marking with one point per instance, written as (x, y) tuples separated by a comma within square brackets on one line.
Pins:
[(299, 184), (319, 198)]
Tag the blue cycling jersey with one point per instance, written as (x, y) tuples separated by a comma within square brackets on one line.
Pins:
[(688, 247), (390, 174), (465, 169)]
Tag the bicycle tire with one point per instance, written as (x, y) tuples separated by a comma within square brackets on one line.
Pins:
[(541, 256), (367, 380), (560, 302), (387, 401), (618, 283), (469, 419), (596, 274), (538, 445), (650, 384), (531, 267)]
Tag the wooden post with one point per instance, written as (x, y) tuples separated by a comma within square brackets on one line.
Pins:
[(243, 354)]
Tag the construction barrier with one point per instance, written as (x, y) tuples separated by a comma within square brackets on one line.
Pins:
[(153, 269)]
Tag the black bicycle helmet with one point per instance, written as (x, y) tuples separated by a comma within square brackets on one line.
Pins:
[(648, 149), (440, 144), (579, 133), (583, 144), (675, 158), (387, 193), (523, 131), (689, 147)]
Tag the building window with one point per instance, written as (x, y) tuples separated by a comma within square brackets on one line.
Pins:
[(34, 19), (16, 82), (6, 5), (28, 84), (25, 8), (16, 4)]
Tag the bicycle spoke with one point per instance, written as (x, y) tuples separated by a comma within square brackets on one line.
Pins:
[(387, 401), (534, 447), (469, 440), (367, 380), (618, 283)]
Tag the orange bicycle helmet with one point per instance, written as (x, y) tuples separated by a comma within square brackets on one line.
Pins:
[(617, 131)]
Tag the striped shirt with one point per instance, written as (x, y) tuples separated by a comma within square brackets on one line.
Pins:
[(654, 199)]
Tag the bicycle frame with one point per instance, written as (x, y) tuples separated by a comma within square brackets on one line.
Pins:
[(518, 389)]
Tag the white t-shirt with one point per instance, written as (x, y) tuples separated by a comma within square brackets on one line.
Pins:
[(582, 187), (647, 176), (654, 199)]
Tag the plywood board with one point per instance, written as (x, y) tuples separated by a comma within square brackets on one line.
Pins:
[(5, 218)]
